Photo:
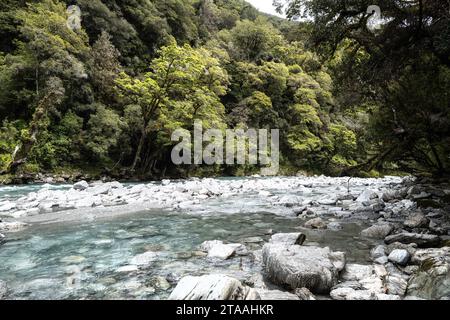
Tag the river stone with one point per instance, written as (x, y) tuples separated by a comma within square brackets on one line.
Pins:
[(378, 252), (3, 289), (144, 259), (357, 272), (352, 294), (396, 285), (366, 196), (316, 223), (212, 287), (432, 281), (421, 255), (296, 266), (288, 238), (422, 240), (400, 257), (218, 250), (81, 185), (304, 294), (416, 220), (378, 231), (277, 295)]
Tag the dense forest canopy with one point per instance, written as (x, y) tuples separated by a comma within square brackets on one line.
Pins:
[(108, 95)]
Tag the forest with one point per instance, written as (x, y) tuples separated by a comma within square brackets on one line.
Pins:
[(104, 98)]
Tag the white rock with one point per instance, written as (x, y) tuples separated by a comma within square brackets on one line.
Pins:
[(314, 268), (367, 195), (212, 287), (400, 257), (81, 185), (7, 206)]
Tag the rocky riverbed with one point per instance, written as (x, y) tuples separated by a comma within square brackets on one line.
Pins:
[(248, 238)]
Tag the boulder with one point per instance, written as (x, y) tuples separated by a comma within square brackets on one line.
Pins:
[(352, 294), (81, 185), (400, 257), (316, 223), (2, 238), (314, 268), (378, 252), (212, 287), (378, 231), (304, 294), (416, 220), (396, 285), (357, 272), (288, 238), (432, 280), (367, 195), (422, 240)]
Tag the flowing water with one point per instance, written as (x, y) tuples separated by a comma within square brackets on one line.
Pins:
[(83, 261)]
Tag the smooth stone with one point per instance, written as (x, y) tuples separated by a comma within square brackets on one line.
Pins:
[(400, 257), (378, 252), (304, 294), (422, 240), (302, 267), (378, 231), (81, 185), (212, 287)]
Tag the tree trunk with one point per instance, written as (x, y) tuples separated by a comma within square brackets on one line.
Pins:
[(137, 156)]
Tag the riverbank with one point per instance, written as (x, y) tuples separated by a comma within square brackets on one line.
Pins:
[(393, 232)]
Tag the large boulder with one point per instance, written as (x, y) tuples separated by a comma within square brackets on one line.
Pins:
[(432, 280), (314, 268), (422, 240), (212, 287)]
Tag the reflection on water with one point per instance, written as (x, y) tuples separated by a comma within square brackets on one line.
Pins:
[(82, 261)]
